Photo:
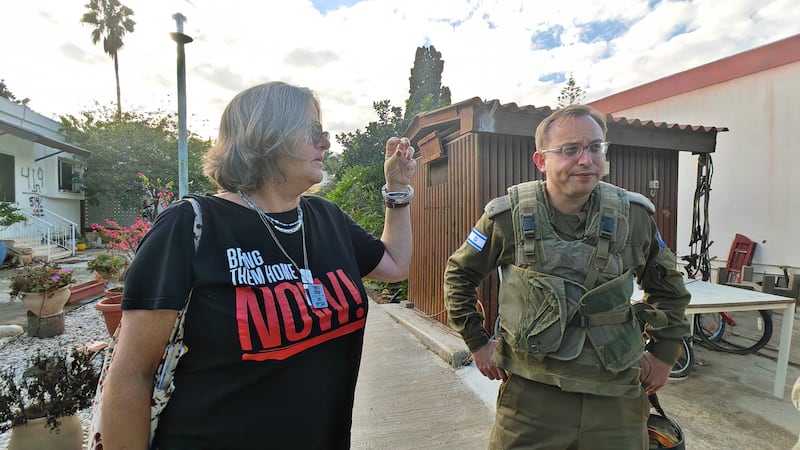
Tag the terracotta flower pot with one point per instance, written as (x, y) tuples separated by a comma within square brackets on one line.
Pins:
[(114, 293), (36, 435), (83, 291), (112, 311), (46, 304)]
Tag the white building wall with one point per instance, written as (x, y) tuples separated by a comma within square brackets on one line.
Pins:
[(756, 179), (36, 176), (27, 178)]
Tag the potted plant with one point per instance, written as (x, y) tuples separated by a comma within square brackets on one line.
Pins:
[(121, 239), (9, 215), (39, 403), (108, 266), (44, 289)]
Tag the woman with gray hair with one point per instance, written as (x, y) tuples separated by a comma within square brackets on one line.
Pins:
[(275, 321)]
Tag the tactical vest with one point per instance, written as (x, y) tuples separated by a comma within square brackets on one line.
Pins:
[(559, 294)]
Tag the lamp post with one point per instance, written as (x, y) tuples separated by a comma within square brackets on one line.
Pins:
[(183, 153)]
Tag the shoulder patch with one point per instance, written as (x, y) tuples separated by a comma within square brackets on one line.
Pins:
[(639, 199), (497, 206), (476, 239)]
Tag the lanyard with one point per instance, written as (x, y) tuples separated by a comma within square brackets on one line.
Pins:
[(314, 293)]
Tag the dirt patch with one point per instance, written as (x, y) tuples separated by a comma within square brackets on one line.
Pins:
[(379, 294)]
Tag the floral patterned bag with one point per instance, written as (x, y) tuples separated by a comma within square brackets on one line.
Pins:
[(164, 386)]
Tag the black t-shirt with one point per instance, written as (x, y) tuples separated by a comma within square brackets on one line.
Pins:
[(264, 369)]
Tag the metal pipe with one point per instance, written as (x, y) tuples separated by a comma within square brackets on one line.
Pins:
[(183, 153)]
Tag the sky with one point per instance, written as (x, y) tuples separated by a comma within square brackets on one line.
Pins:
[(353, 53)]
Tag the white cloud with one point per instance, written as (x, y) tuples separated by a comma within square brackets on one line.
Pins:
[(352, 56)]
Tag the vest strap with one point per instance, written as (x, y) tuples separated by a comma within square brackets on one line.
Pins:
[(604, 318), (529, 234), (605, 235)]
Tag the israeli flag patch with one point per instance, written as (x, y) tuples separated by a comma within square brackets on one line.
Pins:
[(476, 239)]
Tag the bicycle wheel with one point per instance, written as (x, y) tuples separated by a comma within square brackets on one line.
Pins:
[(746, 332), (685, 362), (711, 325)]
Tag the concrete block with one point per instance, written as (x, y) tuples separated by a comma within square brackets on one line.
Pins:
[(441, 340), (44, 327), (10, 330)]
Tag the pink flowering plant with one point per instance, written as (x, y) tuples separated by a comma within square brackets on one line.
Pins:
[(123, 239), (160, 193), (41, 277)]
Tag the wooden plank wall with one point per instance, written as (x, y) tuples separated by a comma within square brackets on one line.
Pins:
[(633, 167), (437, 220)]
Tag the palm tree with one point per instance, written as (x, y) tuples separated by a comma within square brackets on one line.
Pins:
[(111, 20)]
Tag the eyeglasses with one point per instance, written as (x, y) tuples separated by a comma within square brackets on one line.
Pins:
[(575, 151), (316, 134)]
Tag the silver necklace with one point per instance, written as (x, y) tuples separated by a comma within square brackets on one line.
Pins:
[(313, 292), (283, 227)]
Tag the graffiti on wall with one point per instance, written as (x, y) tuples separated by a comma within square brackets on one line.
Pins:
[(35, 179), (35, 202)]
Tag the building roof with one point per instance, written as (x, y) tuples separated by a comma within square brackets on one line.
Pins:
[(476, 115), (776, 54), (27, 124)]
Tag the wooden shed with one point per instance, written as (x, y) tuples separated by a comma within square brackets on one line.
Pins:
[(472, 151)]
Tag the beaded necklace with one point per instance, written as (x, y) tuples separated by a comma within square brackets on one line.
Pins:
[(313, 292), (283, 227)]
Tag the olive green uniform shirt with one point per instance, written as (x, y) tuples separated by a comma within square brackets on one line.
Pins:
[(653, 264)]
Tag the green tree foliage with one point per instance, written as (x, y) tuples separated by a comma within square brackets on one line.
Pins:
[(367, 148), (124, 146), (571, 93), (358, 193), (426, 92), (111, 20), (7, 94), (358, 171)]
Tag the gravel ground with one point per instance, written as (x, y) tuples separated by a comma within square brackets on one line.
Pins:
[(82, 325)]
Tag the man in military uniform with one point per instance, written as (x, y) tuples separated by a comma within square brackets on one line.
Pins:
[(569, 345)]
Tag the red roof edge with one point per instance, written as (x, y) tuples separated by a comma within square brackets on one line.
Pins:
[(779, 53)]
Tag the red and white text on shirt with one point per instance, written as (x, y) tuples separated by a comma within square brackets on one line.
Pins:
[(263, 309)]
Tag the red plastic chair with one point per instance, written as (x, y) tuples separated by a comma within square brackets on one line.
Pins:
[(741, 254)]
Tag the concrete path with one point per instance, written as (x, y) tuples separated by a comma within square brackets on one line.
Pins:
[(407, 397), (726, 402)]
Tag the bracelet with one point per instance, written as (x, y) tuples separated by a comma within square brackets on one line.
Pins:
[(395, 205), (396, 196)]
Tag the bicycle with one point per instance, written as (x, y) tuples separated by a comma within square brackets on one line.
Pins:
[(686, 359), (741, 333), (685, 363)]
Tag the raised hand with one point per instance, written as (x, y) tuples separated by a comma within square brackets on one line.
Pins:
[(400, 165)]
